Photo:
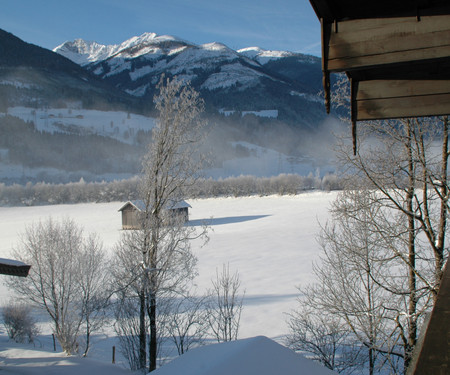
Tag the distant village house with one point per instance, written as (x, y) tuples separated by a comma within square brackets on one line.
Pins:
[(132, 210)]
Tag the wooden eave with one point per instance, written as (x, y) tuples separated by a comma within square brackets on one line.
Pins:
[(396, 54), (340, 10)]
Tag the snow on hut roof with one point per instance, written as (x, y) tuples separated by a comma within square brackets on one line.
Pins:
[(13, 267), (140, 205)]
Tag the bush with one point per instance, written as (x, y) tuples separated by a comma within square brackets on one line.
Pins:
[(19, 323)]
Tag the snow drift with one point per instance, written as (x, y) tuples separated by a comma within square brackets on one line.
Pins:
[(256, 355)]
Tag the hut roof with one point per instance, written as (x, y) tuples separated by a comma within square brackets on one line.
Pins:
[(13, 267), (172, 205)]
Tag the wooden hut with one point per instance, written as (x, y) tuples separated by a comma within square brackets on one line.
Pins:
[(132, 212)]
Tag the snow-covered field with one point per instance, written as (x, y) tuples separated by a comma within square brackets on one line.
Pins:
[(270, 241)]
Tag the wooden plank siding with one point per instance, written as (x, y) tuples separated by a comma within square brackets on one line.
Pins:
[(130, 218), (363, 43), (399, 66), (384, 99)]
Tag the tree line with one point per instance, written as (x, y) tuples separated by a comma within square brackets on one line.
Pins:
[(43, 193)]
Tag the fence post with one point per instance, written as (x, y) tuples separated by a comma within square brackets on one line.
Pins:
[(113, 354)]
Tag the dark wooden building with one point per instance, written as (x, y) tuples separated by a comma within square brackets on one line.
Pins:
[(14, 267), (132, 212)]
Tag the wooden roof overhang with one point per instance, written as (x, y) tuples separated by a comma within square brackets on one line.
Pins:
[(396, 54)]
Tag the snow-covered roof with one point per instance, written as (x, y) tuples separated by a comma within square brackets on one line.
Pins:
[(172, 205), (257, 355), (13, 267)]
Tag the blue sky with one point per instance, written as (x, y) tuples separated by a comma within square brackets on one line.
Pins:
[(276, 24)]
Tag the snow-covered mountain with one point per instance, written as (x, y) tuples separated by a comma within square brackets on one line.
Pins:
[(146, 57), (34, 76), (86, 52), (74, 111), (250, 79)]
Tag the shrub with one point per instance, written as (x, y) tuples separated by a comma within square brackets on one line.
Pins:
[(19, 322)]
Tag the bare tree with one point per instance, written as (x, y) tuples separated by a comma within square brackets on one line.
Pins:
[(57, 282), (172, 272), (94, 283), (187, 322), (126, 326), (225, 306), (324, 338), (161, 247), (354, 276), (52, 249), (406, 163)]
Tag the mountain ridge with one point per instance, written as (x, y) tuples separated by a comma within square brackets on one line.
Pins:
[(247, 80)]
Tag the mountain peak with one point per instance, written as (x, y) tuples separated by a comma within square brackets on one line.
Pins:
[(85, 52), (263, 56)]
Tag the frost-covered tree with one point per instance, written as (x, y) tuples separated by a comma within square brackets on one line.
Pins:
[(225, 305), (159, 259), (65, 277)]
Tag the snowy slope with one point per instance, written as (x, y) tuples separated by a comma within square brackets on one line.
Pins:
[(119, 125), (85, 52), (263, 56), (26, 360)]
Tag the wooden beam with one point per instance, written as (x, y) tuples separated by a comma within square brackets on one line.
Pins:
[(363, 43), (382, 89), (414, 106)]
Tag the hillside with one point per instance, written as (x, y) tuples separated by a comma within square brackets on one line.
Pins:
[(37, 77)]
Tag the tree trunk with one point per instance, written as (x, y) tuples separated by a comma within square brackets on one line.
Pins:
[(142, 330), (412, 282), (153, 341), (440, 243)]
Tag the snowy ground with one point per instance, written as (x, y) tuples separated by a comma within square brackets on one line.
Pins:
[(269, 240), (122, 126)]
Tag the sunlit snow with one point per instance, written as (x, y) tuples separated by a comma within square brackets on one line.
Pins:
[(269, 240)]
